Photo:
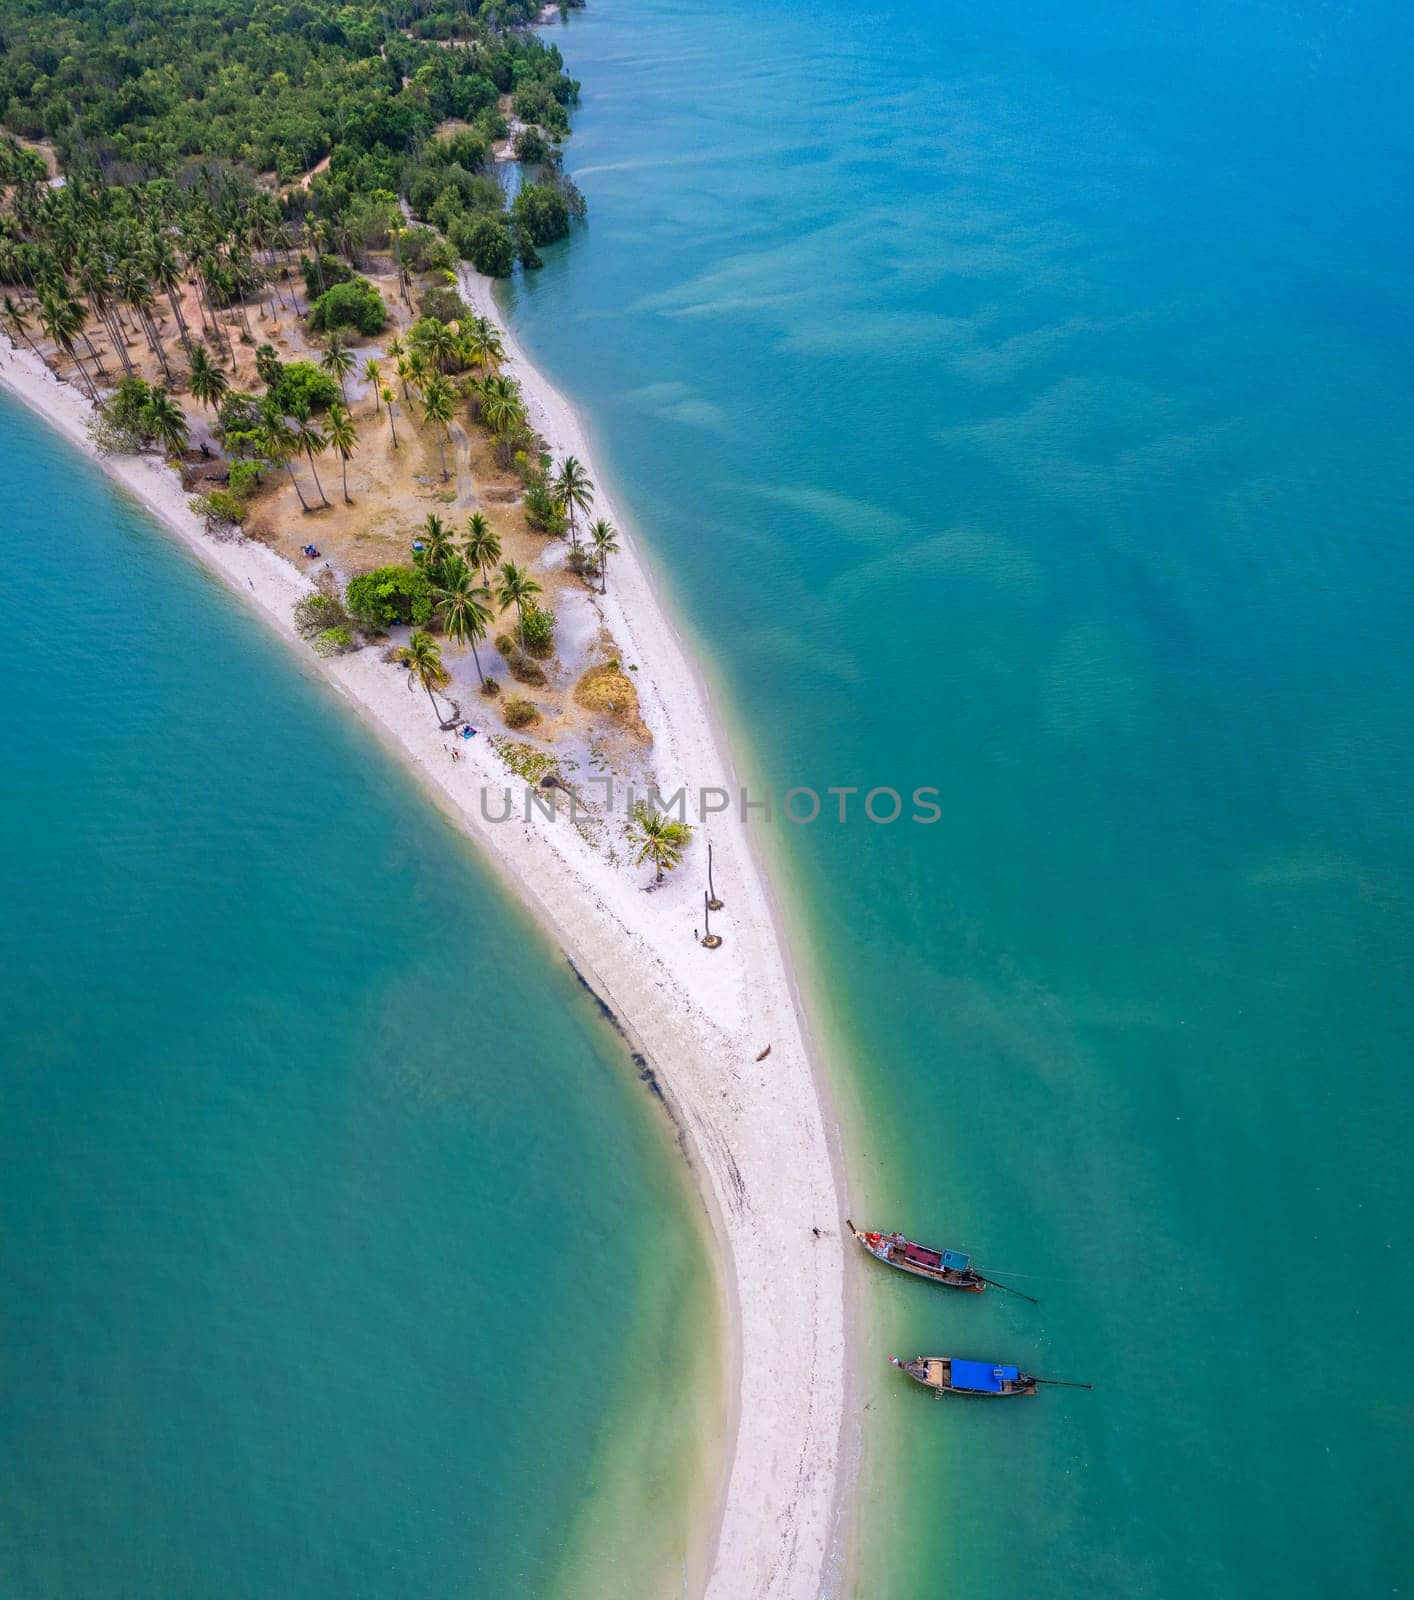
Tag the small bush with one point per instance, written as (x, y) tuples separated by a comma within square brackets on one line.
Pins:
[(520, 666), (446, 305), (244, 478), (332, 642), (424, 250), (219, 506), (538, 630), (319, 280), (317, 612), (581, 562), (378, 599), (520, 713), (356, 304), (542, 510), (301, 383)]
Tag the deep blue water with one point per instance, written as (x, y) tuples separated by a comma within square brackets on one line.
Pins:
[(337, 1238), (1017, 398)]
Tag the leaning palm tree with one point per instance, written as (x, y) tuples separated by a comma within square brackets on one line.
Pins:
[(422, 656), (483, 344), (16, 318), (604, 538), (437, 402), (208, 383), (278, 444), (338, 362), (309, 439), (516, 588), (501, 405), (660, 839), (483, 546), (63, 322), (574, 489), (373, 377), (343, 438), (168, 424), (461, 604), (387, 394)]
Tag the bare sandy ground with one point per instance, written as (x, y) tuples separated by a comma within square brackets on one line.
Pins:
[(758, 1133)]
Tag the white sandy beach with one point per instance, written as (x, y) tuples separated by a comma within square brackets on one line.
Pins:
[(757, 1132)]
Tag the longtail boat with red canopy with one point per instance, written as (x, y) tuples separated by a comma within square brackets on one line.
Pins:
[(949, 1267)]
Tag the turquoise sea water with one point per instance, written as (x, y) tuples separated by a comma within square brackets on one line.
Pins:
[(340, 1248), (1018, 397)]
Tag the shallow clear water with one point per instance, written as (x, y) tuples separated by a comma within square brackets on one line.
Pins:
[(340, 1246), (1018, 398)]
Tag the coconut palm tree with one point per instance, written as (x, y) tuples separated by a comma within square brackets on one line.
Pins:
[(422, 656), (167, 422), (309, 439), (483, 546), (461, 604), (501, 405), (437, 547), (659, 839), (604, 538), (62, 322), (338, 362), (483, 345), (574, 489), (404, 369), (515, 589), (278, 444), (373, 377), (387, 394), (437, 402), (208, 383), (17, 320), (343, 437)]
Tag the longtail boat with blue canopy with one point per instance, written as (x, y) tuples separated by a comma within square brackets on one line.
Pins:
[(951, 1268), (949, 1375)]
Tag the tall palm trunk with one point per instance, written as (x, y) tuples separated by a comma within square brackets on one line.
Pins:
[(294, 480), (313, 469), (184, 331), (88, 345), (344, 468), (392, 425)]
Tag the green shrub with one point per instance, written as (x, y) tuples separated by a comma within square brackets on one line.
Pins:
[(302, 384), (533, 148), (538, 630), (376, 600), (244, 478), (520, 666), (316, 613), (425, 250), (542, 510), (542, 212), (486, 242), (332, 642), (520, 713), (219, 505), (334, 269), (446, 305), (356, 304)]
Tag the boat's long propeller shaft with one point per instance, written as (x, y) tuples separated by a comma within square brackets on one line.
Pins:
[(1063, 1383), (1007, 1288)]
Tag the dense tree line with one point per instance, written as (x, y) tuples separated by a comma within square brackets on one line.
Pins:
[(132, 91)]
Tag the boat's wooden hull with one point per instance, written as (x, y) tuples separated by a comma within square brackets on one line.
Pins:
[(934, 1373), (876, 1245)]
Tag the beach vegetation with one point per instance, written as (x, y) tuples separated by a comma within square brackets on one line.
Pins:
[(573, 491), (219, 506), (422, 656), (523, 668), (390, 595), (486, 242), (244, 477), (355, 304), (657, 839), (323, 272), (519, 713), (525, 761), (463, 607), (604, 540), (482, 548), (444, 305), (538, 631), (316, 613), (542, 213), (544, 510), (301, 386), (337, 641), (515, 587)]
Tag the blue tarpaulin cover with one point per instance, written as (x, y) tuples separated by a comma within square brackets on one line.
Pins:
[(983, 1377), (956, 1260)]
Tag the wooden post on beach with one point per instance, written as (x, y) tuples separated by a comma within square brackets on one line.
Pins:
[(713, 903), (710, 940)]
